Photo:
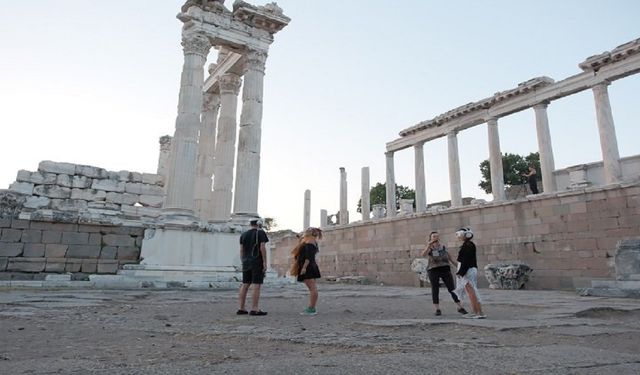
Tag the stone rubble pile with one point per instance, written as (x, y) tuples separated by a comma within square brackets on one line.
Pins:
[(61, 190)]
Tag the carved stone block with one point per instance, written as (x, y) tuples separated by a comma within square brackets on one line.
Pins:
[(507, 276)]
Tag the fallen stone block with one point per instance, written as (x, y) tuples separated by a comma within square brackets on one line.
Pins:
[(507, 275)]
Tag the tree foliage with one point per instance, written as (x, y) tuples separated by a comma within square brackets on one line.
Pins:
[(269, 223), (378, 195), (513, 166)]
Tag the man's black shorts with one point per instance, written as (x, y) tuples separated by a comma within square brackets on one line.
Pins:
[(254, 275)]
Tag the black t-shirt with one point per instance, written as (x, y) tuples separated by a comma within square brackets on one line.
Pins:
[(467, 257), (250, 241)]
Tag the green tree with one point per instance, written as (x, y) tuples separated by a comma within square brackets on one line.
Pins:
[(269, 223), (378, 195), (513, 166)]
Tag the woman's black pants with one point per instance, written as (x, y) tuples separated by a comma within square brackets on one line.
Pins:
[(444, 273)]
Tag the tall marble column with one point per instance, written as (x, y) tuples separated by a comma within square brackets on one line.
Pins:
[(306, 219), (323, 218), (547, 165), (344, 213), (225, 147), (180, 190), (495, 160), (607, 130), (164, 157), (421, 193), (365, 199), (454, 169), (245, 202), (391, 186), (206, 149)]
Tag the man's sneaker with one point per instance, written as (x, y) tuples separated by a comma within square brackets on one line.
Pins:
[(258, 312), (309, 311), (469, 316), (241, 312), (462, 311), (438, 312)]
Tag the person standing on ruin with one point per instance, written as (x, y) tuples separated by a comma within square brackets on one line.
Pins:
[(532, 176), (440, 262), (254, 266), (305, 267), (468, 272)]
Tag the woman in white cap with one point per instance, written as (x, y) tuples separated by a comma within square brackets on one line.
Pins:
[(468, 272)]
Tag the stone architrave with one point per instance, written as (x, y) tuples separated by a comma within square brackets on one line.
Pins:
[(495, 160), (365, 199), (344, 213), (306, 220), (391, 185), (245, 202), (607, 130), (421, 194), (206, 150), (181, 181), (545, 148), (454, 170), (225, 147)]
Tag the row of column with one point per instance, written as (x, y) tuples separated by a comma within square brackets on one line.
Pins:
[(608, 143), (204, 144)]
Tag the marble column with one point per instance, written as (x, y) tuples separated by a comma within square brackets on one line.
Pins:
[(306, 219), (607, 130), (454, 170), (206, 149), (421, 192), (164, 157), (323, 218), (365, 199), (344, 213), (180, 190), (495, 160), (391, 186), (547, 165), (245, 202), (225, 147)]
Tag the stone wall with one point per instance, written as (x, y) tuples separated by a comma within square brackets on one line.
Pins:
[(30, 249), (95, 194), (68, 218), (568, 238)]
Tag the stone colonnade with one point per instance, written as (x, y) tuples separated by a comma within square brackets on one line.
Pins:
[(537, 93), (200, 171)]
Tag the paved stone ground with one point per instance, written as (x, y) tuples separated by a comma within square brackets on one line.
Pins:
[(359, 330)]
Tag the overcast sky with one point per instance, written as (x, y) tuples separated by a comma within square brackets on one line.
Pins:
[(96, 82)]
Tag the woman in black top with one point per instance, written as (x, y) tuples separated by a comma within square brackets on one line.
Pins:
[(305, 266), (468, 272), (440, 262)]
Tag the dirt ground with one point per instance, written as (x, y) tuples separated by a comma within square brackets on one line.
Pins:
[(359, 330)]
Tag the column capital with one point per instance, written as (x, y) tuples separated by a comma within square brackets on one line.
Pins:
[(419, 144), (603, 83), (196, 45), (452, 134), (492, 120), (389, 154), (210, 101), (230, 83), (542, 105), (255, 60)]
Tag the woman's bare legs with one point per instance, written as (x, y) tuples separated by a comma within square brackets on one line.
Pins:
[(313, 292)]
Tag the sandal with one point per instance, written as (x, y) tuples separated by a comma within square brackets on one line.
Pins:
[(259, 312)]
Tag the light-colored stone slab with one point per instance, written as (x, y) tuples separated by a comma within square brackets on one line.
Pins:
[(22, 187), (108, 185), (52, 191), (36, 202), (58, 168)]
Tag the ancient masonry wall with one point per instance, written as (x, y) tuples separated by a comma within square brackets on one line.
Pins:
[(568, 238), (75, 218)]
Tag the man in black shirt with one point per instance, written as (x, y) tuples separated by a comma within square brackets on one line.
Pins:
[(254, 266)]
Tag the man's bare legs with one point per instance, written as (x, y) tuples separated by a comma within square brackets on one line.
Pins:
[(242, 295), (255, 297)]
